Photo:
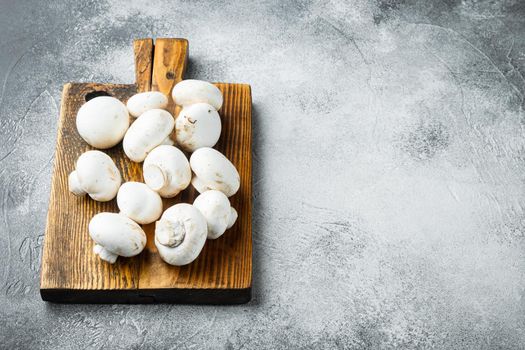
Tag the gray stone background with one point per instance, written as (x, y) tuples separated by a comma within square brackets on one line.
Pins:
[(389, 169)]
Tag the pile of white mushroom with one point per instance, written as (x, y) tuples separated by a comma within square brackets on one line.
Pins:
[(181, 231)]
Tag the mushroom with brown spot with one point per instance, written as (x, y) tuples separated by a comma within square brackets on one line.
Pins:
[(197, 125)]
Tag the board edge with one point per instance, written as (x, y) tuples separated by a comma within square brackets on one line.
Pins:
[(148, 296)]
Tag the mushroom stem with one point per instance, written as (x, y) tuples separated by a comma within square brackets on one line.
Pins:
[(167, 141), (170, 233), (233, 217), (105, 254), (155, 177), (74, 184)]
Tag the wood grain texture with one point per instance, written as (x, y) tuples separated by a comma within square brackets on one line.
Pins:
[(170, 59), (68, 261), (224, 262), (143, 51), (72, 273), (169, 63)]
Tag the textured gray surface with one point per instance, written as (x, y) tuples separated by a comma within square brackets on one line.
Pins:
[(389, 168)]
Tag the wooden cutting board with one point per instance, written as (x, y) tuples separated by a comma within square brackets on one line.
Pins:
[(71, 273)]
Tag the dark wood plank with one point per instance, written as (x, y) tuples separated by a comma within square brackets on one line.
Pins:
[(72, 273)]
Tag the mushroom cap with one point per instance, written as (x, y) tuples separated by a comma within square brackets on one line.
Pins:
[(180, 234), (213, 171), (190, 91), (140, 103), (198, 125), (102, 121), (97, 175), (151, 129), (215, 207), (167, 170), (139, 202), (117, 233)]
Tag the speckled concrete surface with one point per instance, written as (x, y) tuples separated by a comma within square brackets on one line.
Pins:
[(389, 162)]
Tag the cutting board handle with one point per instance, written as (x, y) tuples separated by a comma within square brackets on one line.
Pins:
[(160, 65)]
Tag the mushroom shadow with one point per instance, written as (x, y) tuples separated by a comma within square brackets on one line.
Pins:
[(191, 69), (205, 69)]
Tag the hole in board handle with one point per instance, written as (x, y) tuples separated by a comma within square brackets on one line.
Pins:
[(91, 95)]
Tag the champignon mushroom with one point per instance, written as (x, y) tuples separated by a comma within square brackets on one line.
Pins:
[(180, 234), (96, 175), (139, 202), (114, 235), (151, 129), (216, 208), (213, 171), (102, 121), (140, 103), (190, 91), (167, 170), (197, 125)]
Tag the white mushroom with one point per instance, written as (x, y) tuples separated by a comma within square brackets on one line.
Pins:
[(167, 170), (198, 125), (190, 91), (180, 234), (151, 129), (102, 121), (140, 103), (216, 208), (139, 202), (213, 171), (114, 235), (96, 175)]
